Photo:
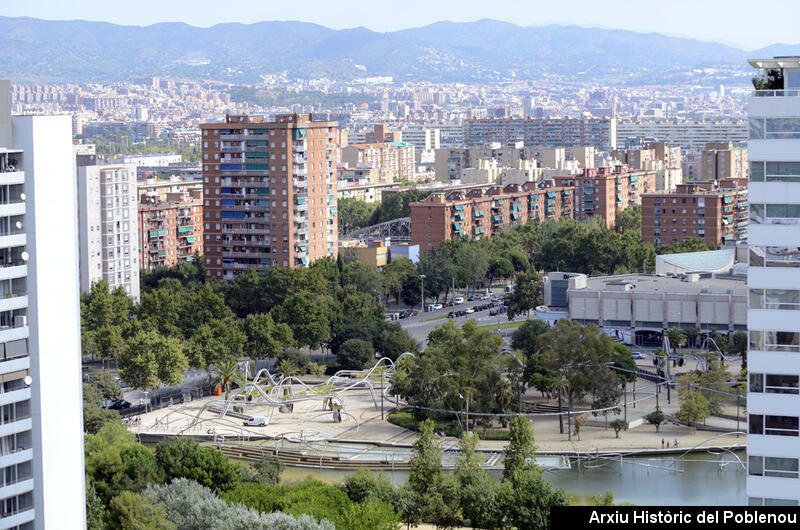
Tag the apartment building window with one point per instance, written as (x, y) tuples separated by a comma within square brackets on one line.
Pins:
[(786, 299), (775, 384), (761, 171), (767, 501), (774, 340), (770, 466), (773, 425)]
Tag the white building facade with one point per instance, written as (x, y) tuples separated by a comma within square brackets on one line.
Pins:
[(108, 227), (773, 399), (41, 435)]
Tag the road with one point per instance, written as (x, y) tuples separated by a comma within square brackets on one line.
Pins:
[(420, 325)]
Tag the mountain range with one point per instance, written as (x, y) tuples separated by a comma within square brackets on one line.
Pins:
[(38, 50)]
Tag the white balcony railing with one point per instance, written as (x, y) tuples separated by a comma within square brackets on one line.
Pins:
[(777, 93)]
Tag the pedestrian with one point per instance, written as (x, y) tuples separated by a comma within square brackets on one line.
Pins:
[(676, 442), (667, 445), (662, 443)]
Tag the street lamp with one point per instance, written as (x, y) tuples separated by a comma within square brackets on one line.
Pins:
[(422, 295)]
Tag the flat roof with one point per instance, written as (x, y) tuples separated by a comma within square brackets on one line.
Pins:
[(709, 260), (776, 62), (650, 283)]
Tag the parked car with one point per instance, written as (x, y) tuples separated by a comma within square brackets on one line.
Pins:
[(120, 405), (256, 421), (637, 355), (451, 314), (436, 307), (469, 311), (494, 312), (413, 313), (458, 300)]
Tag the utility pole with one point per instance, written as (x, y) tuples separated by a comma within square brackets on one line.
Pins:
[(381, 394), (422, 296)]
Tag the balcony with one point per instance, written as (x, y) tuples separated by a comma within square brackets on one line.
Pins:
[(776, 93), (301, 228), (300, 182), (300, 171), (299, 147), (244, 254)]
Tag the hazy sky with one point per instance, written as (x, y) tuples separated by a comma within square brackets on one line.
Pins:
[(748, 24)]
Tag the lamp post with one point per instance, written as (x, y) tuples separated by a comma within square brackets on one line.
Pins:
[(422, 295)]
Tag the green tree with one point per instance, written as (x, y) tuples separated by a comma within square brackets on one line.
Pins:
[(426, 462), (500, 267), (526, 339), (694, 408), (183, 457), (95, 509), (629, 219), (526, 498), (521, 450), (655, 418), (265, 338), (577, 354), (216, 341), (106, 385), (149, 359), (354, 214), (308, 316), (95, 417), (355, 354), (395, 275), (676, 337), (115, 461), (618, 425), (226, 373), (526, 294), (474, 258), (105, 315), (365, 278), (131, 511), (266, 471), (692, 244)]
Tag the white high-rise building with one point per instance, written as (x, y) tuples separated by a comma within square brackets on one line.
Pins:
[(773, 362), (41, 435), (108, 227)]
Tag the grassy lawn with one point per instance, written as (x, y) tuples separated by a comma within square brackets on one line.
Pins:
[(440, 317), (504, 325)]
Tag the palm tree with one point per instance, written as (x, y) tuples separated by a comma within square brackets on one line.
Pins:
[(560, 386), (676, 337), (287, 368), (225, 373)]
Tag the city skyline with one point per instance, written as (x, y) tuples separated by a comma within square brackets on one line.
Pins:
[(751, 33)]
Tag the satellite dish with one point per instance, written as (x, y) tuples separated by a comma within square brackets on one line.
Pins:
[(23, 196), (25, 255), (28, 380), (19, 224)]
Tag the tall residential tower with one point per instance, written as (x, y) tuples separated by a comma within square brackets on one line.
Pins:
[(41, 435), (269, 193), (773, 362)]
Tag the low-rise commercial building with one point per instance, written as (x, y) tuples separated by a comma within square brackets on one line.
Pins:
[(637, 308)]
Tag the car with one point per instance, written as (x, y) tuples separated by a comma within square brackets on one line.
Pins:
[(502, 309), (494, 312), (469, 311), (413, 313), (451, 314), (436, 307), (472, 298), (256, 421), (447, 304), (461, 313), (120, 405), (458, 300), (637, 355), (495, 304), (506, 303)]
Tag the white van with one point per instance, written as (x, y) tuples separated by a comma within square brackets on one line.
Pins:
[(458, 300), (256, 421)]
